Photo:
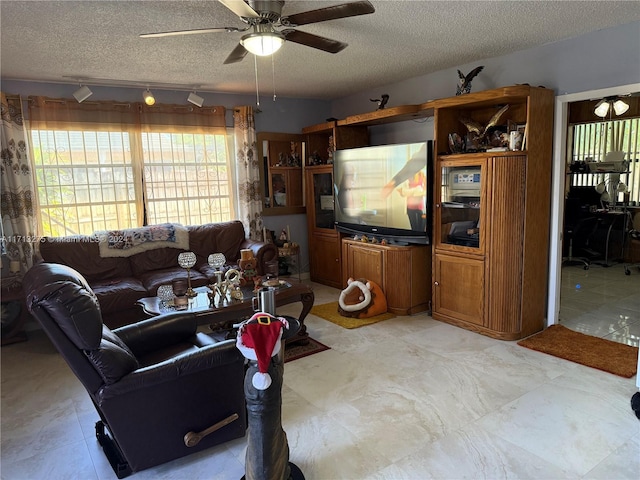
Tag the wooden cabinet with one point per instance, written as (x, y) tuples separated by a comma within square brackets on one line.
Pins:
[(285, 186), (324, 240), (458, 292), (491, 232), (282, 158), (325, 262), (403, 272)]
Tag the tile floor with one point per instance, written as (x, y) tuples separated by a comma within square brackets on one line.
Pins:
[(408, 398), (602, 301)]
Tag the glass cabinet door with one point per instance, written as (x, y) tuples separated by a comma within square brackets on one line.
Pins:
[(461, 204), (323, 200)]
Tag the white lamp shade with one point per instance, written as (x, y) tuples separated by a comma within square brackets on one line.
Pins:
[(620, 107), (602, 108), (263, 43)]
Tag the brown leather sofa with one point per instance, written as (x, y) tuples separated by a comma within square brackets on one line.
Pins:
[(155, 384), (120, 282)]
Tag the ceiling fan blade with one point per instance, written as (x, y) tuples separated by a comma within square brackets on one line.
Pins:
[(314, 41), (191, 32), (328, 13), (240, 8), (237, 54)]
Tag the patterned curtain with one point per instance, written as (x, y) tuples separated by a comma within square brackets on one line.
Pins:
[(247, 172), (18, 189)]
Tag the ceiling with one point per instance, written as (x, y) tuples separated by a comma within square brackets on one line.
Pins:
[(97, 41)]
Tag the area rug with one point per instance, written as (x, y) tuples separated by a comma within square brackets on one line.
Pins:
[(611, 357), (329, 311), (296, 351)]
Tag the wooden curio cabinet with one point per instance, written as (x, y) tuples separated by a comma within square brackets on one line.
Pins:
[(492, 214), (325, 260), (282, 158), (324, 244)]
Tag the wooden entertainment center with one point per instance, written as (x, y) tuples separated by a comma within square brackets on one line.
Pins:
[(495, 281)]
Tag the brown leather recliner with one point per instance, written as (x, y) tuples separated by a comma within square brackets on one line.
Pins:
[(156, 384)]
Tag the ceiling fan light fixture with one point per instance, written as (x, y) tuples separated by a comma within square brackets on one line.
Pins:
[(602, 108), (195, 99), (148, 97), (82, 93), (263, 43), (620, 107)]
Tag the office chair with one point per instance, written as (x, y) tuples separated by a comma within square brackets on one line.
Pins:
[(579, 226)]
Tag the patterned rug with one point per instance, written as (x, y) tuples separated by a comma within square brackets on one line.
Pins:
[(329, 311), (296, 351), (606, 355)]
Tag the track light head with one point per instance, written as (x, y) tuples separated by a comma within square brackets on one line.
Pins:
[(82, 93), (149, 99), (195, 99)]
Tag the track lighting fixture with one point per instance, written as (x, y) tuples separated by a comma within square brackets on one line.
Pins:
[(603, 106), (82, 93), (149, 99), (195, 99)]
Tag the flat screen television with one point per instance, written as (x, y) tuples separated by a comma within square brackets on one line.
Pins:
[(385, 192)]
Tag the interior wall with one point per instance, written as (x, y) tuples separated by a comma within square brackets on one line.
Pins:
[(286, 115), (601, 59)]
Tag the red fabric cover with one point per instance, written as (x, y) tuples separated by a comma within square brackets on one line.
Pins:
[(262, 338)]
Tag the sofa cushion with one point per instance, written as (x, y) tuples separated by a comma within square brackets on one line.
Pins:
[(153, 279), (114, 295), (81, 253), (223, 237), (156, 259)]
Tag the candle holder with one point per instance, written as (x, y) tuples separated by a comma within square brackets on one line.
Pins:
[(217, 260), (187, 260)]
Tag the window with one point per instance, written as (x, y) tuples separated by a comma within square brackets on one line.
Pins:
[(591, 141), (91, 179)]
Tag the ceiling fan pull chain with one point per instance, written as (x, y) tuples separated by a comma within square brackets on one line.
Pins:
[(255, 66), (273, 77)]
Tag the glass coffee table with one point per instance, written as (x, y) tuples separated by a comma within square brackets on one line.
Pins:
[(222, 315)]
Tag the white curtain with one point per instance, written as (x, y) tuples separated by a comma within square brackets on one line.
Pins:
[(248, 172), (18, 191)]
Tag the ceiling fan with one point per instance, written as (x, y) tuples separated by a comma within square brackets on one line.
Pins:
[(263, 16)]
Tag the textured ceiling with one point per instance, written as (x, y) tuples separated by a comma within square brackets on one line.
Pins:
[(97, 41)]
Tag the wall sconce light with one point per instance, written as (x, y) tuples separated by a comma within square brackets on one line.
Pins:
[(603, 106), (82, 93), (149, 99), (195, 99)]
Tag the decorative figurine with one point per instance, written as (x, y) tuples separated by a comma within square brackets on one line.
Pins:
[(478, 133), (464, 85), (247, 264), (382, 101)]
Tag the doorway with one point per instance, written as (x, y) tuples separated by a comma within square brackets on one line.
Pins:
[(601, 300)]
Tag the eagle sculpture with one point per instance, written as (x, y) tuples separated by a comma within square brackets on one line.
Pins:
[(381, 101), (464, 84), (478, 131)]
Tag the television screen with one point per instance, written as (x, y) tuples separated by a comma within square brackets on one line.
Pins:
[(384, 191)]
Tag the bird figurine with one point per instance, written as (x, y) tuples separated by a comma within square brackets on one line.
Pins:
[(381, 101), (478, 132), (464, 84)]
